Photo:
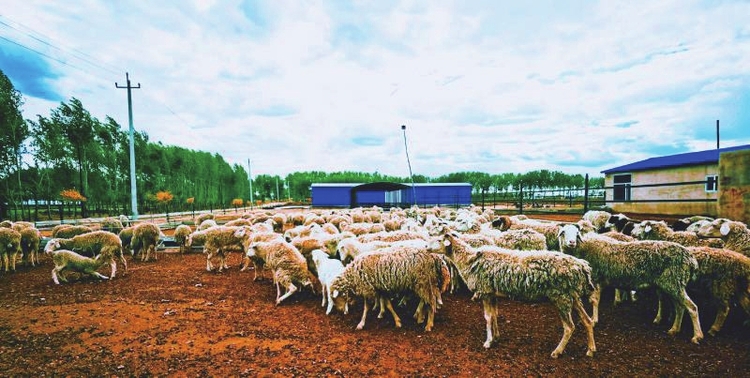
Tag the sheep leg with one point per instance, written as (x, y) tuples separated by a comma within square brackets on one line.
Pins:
[(683, 302), (488, 315), (594, 298), (379, 304), (99, 275), (566, 316), (329, 295), (396, 319), (419, 314), (291, 289), (6, 262), (721, 316), (153, 248), (55, 270), (659, 307), (124, 262), (325, 295), (364, 315), (618, 297), (112, 267), (587, 324)]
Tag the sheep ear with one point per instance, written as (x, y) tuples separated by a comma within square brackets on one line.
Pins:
[(724, 230), (647, 229), (335, 294)]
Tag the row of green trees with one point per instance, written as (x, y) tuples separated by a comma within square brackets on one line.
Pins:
[(72, 150)]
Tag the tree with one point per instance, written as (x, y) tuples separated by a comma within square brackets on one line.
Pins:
[(13, 132)]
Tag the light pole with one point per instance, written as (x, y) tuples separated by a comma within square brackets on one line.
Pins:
[(411, 175)]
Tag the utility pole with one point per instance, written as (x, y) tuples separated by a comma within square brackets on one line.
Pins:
[(133, 191)]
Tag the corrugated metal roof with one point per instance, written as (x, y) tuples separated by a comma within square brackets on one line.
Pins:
[(351, 185), (679, 160)]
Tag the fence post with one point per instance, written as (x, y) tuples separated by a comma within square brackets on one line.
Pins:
[(586, 194)]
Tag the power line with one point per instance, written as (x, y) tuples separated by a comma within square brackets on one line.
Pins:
[(82, 56), (38, 37)]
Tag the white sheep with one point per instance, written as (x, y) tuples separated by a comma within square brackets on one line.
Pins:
[(218, 241), (378, 275), (599, 219), (492, 273), (92, 244), (181, 235), (328, 269), (685, 223), (725, 276), (68, 260), (735, 235), (146, 237), (286, 263), (10, 247), (30, 239), (665, 265), (658, 230)]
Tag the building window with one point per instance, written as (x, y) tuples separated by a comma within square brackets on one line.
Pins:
[(712, 183), (622, 187)]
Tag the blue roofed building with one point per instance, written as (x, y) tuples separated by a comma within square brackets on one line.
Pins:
[(388, 194), (681, 184)]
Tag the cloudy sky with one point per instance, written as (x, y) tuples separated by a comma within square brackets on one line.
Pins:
[(492, 86)]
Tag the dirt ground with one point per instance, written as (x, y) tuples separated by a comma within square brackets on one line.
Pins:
[(173, 318)]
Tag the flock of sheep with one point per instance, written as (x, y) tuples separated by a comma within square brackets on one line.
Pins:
[(371, 256)]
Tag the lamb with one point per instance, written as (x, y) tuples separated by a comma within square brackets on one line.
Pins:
[(735, 235), (599, 219), (725, 275), (68, 260), (492, 272), (145, 237), (92, 244), (328, 269), (10, 247), (658, 230), (181, 234), (286, 263), (6, 224), (30, 239), (375, 276), (665, 265)]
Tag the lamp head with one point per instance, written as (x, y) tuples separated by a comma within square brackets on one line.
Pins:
[(403, 127)]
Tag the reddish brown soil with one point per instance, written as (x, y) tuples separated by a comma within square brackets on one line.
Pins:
[(171, 317)]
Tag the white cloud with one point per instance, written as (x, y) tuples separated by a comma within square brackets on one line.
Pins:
[(482, 86)]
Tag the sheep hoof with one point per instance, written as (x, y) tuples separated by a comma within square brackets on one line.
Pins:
[(555, 354), (590, 353), (360, 326), (713, 332), (696, 340), (487, 344)]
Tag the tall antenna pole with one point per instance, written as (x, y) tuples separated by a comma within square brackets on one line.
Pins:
[(250, 178), (411, 175), (717, 134), (133, 190)]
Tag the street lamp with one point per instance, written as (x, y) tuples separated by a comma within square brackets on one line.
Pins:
[(411, 175)]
